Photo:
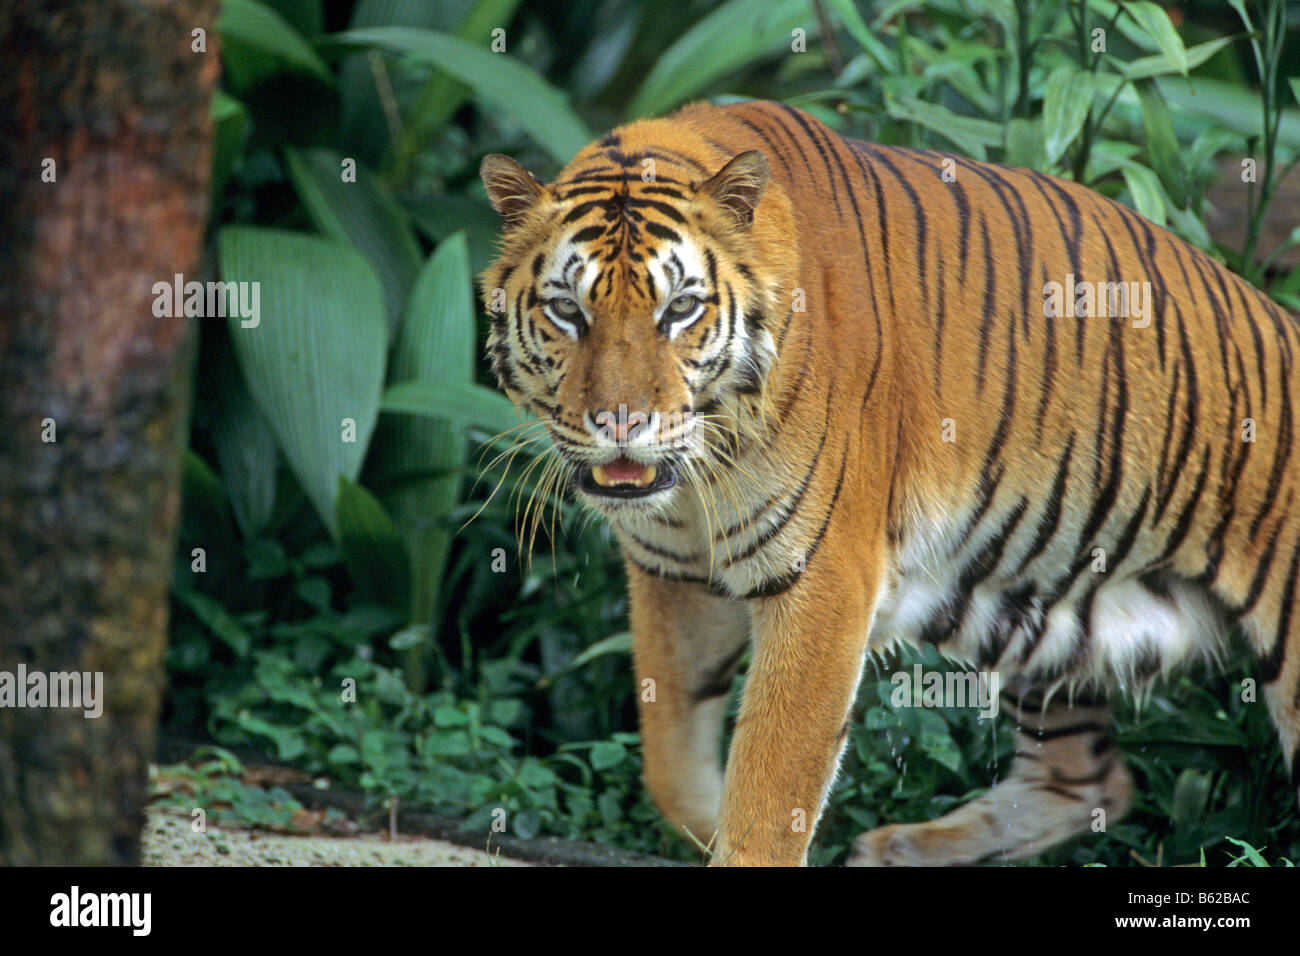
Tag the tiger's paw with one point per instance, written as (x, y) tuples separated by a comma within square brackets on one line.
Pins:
[(885, 846)]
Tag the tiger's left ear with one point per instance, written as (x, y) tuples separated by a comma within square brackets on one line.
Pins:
[(739, 185), (511, 188)]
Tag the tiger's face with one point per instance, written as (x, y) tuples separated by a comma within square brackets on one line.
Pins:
[(626, 315)]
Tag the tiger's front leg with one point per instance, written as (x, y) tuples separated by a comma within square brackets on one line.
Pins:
[(687, 644), (793, 723)]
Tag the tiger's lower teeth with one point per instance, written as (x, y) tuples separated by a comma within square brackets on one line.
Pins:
[(602, 477)]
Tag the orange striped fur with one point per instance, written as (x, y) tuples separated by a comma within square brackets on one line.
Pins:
[(858, 427)]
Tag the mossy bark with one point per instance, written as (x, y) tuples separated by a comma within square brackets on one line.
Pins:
[(114, 95)]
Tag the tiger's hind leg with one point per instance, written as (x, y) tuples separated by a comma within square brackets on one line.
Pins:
[(1279, 675), (1065, 769)]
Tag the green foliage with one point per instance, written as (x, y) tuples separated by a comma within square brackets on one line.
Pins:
[(339, 520)]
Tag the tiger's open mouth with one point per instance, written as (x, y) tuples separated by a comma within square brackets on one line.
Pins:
[(624, 478)]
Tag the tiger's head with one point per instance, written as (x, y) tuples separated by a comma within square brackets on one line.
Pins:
[(634, 314)]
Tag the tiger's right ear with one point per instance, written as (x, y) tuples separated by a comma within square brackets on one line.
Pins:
[(739, 185), (511, 188)]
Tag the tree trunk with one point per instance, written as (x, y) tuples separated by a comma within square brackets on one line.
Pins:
[(94, 393)]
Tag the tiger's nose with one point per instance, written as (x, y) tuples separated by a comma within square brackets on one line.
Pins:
[(621, 426)]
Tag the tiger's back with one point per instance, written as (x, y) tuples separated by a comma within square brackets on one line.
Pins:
[(961, 404)]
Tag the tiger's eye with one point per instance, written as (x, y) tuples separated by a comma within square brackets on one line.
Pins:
[(565, 307), (682, 304)]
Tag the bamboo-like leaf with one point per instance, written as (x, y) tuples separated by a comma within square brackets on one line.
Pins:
[(734, 35), (1144, 187), (1025, 144), (1160, 64), (1148, 25), (1230, 105), (1161, 142), (884, 58), (499, 80), (362, 213), (315, 360), (971, 135), (1155, 21), (1066, 101), (442, 95)]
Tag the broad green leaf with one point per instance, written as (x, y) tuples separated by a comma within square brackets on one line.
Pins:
[(734, 35), (502, 82), (1066, 102), (1294, 83), (262, 29), (462, 404), (314, 363), (435, 346), (1161, 142), (360, 212), (373, 550), (606, 754), (244, 440)]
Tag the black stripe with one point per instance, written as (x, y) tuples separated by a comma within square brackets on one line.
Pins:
[(1281, 455), (990, 304), (1051, 519), (1189, 424), (1270, 667), (587, 234), (1184, 522), (784, 582), (661, 232), (1261, 574)]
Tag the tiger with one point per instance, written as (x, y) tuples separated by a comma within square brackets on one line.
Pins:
[(833, 397)]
